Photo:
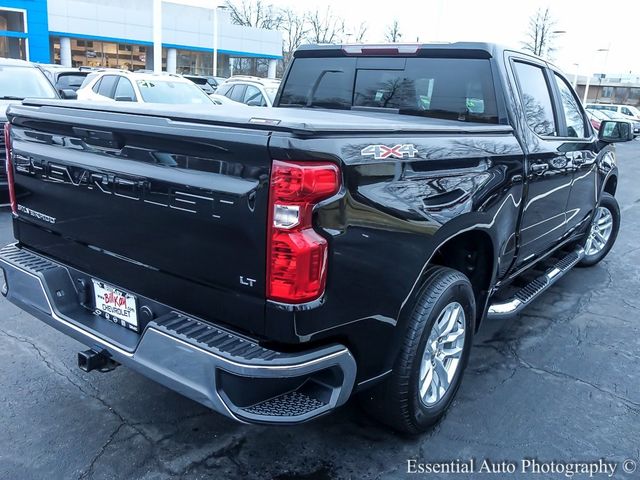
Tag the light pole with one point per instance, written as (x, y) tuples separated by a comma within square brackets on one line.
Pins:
[(215, 40), (586, 87), (216, 36), (558, 32), (157, 36)]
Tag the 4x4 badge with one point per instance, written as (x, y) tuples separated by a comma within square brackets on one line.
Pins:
[(380, 152)]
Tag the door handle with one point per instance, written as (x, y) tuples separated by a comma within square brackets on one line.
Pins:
[(576, 158), (539, 167)]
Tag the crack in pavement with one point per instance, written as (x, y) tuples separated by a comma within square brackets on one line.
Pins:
[(231, 450), (89, 470), (122, 420), (511, 351), (629, 404)]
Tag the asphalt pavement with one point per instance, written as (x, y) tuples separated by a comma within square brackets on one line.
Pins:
[(559, 383)]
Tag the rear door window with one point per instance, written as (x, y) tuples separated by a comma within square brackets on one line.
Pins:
[(451, 88), (107, 85), (237, 93), (536, 99), (253, 96), (125, 90)]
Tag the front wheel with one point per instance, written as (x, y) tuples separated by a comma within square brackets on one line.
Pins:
[(433, 356), (603, 231)]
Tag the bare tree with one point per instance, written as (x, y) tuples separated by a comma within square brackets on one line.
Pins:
[(393, 34), (361, 33), (294, 30), (541, 35), (254, 13), (324, 27), (258, 14)]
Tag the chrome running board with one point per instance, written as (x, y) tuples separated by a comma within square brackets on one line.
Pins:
[(535, 288)]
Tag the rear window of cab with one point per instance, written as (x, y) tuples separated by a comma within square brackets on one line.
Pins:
[(451, 88)]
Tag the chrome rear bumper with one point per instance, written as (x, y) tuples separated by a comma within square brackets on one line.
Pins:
[(229, 373)]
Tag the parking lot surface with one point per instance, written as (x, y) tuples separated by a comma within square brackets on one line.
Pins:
[(560, 382)]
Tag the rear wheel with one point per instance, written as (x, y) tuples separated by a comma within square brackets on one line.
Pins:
[(603, 231), (433, 356)]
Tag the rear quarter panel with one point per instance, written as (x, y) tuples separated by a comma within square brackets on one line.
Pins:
[(386, 222)]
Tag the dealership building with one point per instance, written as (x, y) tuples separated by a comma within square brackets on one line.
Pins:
[(120, 34)]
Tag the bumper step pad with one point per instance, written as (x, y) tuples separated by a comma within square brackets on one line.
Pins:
[(210, 337), (292, 404)]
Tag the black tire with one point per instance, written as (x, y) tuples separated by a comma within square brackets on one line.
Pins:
[(608, 202), (396, 402)]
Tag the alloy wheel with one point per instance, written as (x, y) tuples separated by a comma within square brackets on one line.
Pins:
[(442, 354), (600, 232)]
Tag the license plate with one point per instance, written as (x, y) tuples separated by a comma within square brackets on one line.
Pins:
[(115, 305)]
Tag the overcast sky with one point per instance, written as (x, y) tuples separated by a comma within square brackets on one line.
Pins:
[(589, 24)]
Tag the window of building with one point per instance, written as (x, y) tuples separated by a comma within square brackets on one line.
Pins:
[(12, 21), (197, 63), (634, 94), (572, 112), (536, 99), (95, 53), (606, 92), (620, 94)]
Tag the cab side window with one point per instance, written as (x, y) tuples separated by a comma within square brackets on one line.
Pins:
[(571, 109), (536, 99)]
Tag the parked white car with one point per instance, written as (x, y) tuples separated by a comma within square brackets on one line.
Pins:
[(252, 91), (628, 111), (123, 86)]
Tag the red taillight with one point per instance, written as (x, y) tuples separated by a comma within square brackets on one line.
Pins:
[(9, 168), (297, 254)]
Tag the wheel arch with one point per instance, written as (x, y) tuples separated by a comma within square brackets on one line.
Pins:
[(611, 184), (480, 248)]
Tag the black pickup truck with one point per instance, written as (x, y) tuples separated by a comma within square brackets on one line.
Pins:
[(271, 263)]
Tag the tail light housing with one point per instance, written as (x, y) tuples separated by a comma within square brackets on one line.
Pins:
[(297, 254), (9, 168)]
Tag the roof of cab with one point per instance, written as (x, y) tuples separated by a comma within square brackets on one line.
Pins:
[(455, 49), (477, 49)]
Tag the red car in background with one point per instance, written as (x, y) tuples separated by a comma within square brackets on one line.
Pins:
[(595, 117)]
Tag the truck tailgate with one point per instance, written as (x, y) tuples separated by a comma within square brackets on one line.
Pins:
[(166, 201)]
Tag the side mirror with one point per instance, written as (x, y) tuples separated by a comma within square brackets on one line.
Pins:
[(254, 103), (613, 131), (125, 98), (68, 94)]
